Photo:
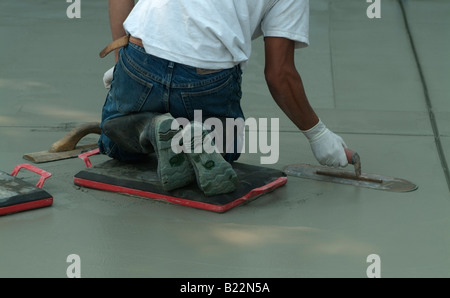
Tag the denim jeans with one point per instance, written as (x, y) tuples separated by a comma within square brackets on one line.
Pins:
[(145, 83)]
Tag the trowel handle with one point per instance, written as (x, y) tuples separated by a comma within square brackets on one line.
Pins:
[(34, 169), (352, 156), (71, 139), (353, 159)]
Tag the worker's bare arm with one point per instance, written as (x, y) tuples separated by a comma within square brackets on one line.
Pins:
[(118, 11), (285, 83), (286, 87)]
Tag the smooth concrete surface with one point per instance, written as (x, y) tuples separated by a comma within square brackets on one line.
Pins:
[(360, 74)]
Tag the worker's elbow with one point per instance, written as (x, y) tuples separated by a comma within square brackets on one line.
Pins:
[(277, 78), (273, 78)]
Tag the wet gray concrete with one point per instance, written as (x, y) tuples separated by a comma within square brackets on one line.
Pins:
[(362, 77)]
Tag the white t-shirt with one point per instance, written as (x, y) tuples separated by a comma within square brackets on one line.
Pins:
[(215, 34)]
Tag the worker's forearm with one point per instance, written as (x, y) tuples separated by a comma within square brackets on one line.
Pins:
[(285, 83), (118, 12), (289, 94)]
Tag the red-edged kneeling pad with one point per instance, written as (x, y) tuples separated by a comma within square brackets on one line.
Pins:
[(17, 195), (140, 179)]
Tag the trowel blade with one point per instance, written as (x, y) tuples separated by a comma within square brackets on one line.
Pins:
[(326, 174)]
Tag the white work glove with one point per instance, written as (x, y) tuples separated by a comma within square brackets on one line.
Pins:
[(328, 147), (108, 77)]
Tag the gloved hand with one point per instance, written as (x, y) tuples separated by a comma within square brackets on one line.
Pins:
[(108, 77), (328, 148)]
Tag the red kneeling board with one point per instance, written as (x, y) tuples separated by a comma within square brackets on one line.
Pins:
[(140, 179), (18, 195)]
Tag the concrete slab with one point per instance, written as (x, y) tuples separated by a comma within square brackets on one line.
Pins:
[(428, 27), (349, 74), (316, 229), (360, 75), (366, 74), (49, 60)]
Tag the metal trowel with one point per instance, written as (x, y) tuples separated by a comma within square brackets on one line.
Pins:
[(357, 178)]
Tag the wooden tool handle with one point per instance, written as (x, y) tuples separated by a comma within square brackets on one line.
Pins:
[(69, 141)]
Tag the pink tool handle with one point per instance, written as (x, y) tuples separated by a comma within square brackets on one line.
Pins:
[(44, 174), (85, 157)]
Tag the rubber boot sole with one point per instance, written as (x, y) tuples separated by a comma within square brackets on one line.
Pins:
[(174, 169), (213, 173)]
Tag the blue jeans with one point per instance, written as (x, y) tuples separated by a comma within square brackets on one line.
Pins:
[(145, 83)]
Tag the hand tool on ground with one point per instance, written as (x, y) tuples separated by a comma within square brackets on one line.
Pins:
[(67, 147), (358, 178)]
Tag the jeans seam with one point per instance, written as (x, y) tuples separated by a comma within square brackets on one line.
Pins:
[(209, 91), (147, 88), (139, 70)]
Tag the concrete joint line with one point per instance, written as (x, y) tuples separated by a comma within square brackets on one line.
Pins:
[(432, 117)]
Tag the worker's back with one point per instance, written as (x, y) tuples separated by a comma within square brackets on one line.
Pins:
[(214, 34)]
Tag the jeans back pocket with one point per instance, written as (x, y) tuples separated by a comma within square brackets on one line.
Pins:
[(132, 92)]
